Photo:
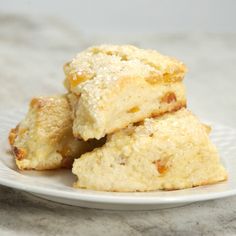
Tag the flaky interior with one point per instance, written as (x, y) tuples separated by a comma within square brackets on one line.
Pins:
[(124, 105)]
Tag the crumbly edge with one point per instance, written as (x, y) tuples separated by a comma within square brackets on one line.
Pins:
[(178, 106), (21, 153)]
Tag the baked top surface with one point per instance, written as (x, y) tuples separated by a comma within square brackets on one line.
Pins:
[(106, 63)]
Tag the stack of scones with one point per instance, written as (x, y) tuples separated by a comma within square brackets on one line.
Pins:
[(122, 126)]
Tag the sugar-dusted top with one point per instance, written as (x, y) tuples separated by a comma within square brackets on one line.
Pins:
[(107, 63)]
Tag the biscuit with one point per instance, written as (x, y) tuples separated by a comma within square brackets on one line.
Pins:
[(165, 153), (119, 85), (43, 140)]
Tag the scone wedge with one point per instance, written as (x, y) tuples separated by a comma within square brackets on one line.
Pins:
[(165, 153), (43, 140), (115, 86)]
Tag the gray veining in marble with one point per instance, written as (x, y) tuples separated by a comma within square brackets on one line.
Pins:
[(32, 54)]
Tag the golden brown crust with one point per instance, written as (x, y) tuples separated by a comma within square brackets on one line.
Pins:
[(12, 135), (20, 153), (27, 168)]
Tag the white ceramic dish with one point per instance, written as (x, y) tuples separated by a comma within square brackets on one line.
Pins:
[(56, 185)]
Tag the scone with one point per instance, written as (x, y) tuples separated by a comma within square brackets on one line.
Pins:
[(115, 86), (165, 153), (44, 139)]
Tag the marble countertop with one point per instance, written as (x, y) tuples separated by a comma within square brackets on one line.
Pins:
[(32, 54)]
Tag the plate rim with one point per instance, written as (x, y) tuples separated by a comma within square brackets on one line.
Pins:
[(96, 196)]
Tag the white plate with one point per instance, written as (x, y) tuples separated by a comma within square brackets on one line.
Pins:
[(56, 185)]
